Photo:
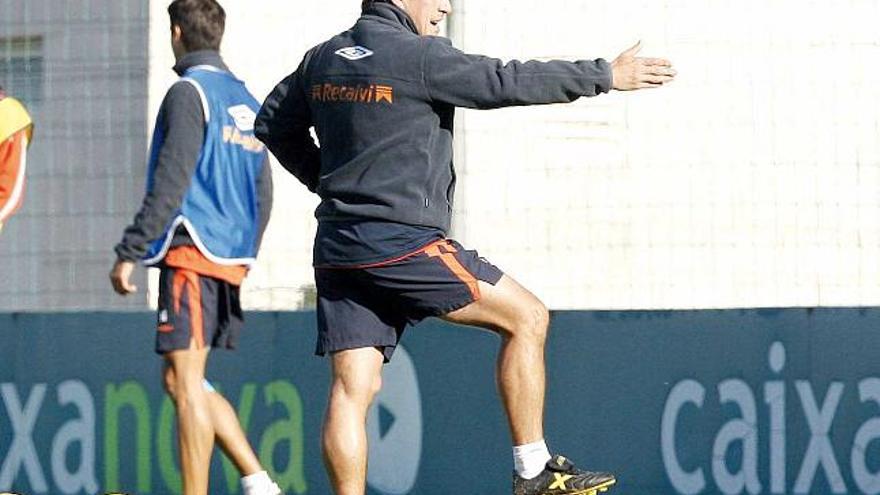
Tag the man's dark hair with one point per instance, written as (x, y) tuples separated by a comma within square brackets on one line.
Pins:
[(201, 23)]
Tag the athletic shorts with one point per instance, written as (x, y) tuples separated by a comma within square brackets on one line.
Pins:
[(193, 306), (371, 306)]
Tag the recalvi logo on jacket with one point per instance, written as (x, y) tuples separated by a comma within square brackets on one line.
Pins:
[(361, 93)]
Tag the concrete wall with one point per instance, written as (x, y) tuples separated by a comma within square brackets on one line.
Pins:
[(754, 180), (751, 181)]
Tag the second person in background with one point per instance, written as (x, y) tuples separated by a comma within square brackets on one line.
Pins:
[(209, 194)]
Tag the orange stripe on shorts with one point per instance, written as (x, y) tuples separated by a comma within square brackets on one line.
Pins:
[(177, 289), (194, 291), (447, 256)]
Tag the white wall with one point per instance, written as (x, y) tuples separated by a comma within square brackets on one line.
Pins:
[(753, 180)]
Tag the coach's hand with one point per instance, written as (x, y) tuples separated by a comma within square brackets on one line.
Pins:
[(630, 72), (120, 277)]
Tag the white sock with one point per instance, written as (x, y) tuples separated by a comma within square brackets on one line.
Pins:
[(258, 484), (529, 459)]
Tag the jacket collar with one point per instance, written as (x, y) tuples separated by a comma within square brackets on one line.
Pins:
[(391, 14), (201, 57)]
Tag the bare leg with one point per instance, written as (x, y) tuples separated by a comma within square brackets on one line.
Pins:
[(227, 430), (194, 424), (522, 321), (357, 377), (231, 437)]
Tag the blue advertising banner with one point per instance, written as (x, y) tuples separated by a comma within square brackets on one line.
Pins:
[(677, 402)]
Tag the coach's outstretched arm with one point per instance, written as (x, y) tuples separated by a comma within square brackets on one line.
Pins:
[(283, 125), (475, 81)]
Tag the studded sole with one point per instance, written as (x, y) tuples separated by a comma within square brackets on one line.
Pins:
[(593, 490)]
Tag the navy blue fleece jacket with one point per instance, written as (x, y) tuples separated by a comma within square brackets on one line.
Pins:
[(382, 99)]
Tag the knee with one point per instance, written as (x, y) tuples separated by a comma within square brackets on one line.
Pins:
[(370, 387), (533, 322), (359, 389), (184, 390)]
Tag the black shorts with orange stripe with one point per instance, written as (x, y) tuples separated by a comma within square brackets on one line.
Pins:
[(371, 306), (194, 307)]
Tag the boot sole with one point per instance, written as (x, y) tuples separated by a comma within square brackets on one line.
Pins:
[(594, 490)]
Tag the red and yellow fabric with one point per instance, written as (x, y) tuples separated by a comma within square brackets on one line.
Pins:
[(16, 131), (13, 118)]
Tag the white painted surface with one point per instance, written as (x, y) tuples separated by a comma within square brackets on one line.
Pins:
[(753, 180)]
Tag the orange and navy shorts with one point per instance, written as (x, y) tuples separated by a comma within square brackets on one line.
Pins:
[(371, 306), (196, 307)]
